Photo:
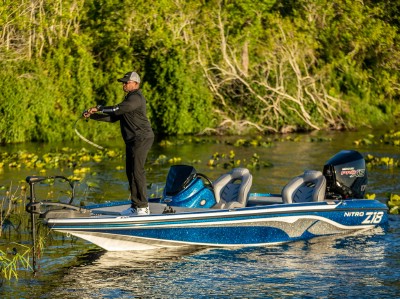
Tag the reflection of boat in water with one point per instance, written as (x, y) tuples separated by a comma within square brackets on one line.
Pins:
[(116, 259), (197, 212)]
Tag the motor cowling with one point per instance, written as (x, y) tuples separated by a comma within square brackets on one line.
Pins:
[(179, 178), (185, 188), (346, 175)]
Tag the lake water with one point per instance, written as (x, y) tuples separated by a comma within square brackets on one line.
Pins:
[(349, 266)]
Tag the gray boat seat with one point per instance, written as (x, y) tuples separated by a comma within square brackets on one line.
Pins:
[(231, 190), (308, 187)]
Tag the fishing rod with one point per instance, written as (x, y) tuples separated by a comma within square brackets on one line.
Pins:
[(82, 137)]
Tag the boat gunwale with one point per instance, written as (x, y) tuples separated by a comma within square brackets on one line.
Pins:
[(278, 209)]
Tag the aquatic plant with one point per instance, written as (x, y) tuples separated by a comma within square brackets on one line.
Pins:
[(65, 157), (373, 161), (394, 204), (8, 205), (235, 141), (230, 161), (12, 259), (14, 254), (366, 140), (391, 137), (258, 141), (370, 196)]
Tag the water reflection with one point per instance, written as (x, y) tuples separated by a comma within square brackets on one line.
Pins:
[(123, 274), (327, 267)]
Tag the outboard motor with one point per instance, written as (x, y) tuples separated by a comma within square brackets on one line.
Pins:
[(185, 188), (346, 175)]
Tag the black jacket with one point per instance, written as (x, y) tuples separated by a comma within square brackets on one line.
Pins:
[(131, 114)]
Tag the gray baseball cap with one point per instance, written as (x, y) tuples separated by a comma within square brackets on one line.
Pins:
[(131, 76)]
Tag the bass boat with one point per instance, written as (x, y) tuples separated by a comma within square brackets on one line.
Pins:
[(195, 211)]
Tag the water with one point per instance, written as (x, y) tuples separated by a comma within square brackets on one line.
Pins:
[(350, 266), (347, 266)]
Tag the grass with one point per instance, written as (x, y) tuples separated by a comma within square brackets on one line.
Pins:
[(13, 255)]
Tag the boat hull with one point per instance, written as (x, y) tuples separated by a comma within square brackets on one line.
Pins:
[(252, 226)]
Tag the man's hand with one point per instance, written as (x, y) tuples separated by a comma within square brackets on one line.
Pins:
[(89, 112)]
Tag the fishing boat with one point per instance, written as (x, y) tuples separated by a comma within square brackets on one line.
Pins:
[(196, 211)]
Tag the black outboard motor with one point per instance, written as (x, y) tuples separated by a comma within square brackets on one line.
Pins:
[(346, 175)]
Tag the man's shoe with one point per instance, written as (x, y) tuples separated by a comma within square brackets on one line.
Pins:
[(143, 211), (135, 212), (128, 212)]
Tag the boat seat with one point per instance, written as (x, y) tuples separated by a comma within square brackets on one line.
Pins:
[(231, 190), (308, 187)]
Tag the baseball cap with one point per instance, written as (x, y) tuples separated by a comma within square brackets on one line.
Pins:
[(131, 76)]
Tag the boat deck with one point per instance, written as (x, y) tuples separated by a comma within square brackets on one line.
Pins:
[(157, 208)]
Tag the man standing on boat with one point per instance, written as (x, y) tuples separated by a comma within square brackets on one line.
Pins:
[(137, 134)]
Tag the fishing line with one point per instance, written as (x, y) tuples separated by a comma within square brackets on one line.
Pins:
[(85, 139)]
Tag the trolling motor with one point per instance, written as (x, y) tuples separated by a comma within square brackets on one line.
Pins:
[(66, 210), (35, 208)]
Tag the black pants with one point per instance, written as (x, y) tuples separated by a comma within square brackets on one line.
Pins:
[(136, 154)]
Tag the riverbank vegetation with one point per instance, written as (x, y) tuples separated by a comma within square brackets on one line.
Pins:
[(212, 67)]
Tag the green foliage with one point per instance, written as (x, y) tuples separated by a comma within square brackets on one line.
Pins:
[(270, 65), (11, 261), (360, 52), (179, 101)]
